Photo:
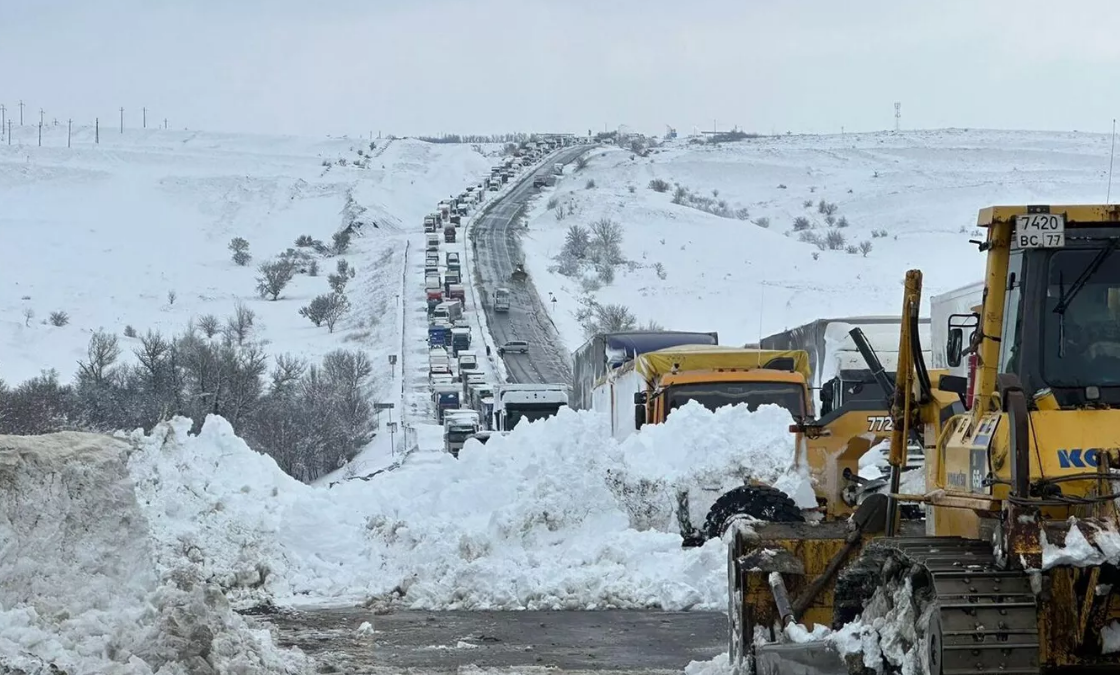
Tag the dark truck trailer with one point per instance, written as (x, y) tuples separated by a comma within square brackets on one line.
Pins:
[(607, 351)]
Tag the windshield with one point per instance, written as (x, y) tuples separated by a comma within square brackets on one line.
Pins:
[(530, 413), (713, 395), (1082, 343)]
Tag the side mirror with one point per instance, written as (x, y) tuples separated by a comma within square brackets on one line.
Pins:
[(954, 347)]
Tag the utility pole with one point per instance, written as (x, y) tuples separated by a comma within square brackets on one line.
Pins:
[(21, 112), (122, 119), (164, 122), (3, 118), (40, 133), (96, 130), (145, 122), (40, 117), (9, 132), (69, 129)]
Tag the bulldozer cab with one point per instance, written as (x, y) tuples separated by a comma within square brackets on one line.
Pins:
[(1061, 301)]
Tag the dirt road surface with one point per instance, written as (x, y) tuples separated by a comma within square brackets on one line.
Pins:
[(604, 643)]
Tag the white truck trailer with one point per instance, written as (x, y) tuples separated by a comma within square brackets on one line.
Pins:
[(963, 300)]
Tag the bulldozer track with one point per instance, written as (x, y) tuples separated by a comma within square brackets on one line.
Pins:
[(985, 619)]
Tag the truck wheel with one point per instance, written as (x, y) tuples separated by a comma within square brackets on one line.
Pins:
[(757, 501)]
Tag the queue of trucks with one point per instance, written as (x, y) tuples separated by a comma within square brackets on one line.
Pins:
[(465, 403)]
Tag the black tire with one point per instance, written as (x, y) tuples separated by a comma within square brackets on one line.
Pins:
[(757, 501)]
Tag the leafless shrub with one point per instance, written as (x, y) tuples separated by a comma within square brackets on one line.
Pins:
[(762, 222), (590, 184), (209, 325), (659, 269), (835, 240), (28, 315), (659, 185), (274, 278), (59, 319), (801, 223), (344, 273), (811, 237), (172, 296), (240, 249), (129, 331), (239, 325), (865, 247)]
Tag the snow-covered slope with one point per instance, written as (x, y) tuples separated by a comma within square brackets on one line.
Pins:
[(913, 196), (105, 232)]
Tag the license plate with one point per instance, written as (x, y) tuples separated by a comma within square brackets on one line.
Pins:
[(1040, 230)]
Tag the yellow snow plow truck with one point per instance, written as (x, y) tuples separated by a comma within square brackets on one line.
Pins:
[(646, 389), (1015, 570)]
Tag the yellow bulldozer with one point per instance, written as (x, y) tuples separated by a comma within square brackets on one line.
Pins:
[(1014, 569)]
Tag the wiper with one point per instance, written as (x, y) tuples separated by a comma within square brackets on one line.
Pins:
[(1083, 278)]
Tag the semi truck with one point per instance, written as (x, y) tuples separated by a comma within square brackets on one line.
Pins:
[(607, 351), (446, 397), (440, 336), (529, 402), (648, 388), (501, 300), (460, 339), (833, 354), (458, 426)]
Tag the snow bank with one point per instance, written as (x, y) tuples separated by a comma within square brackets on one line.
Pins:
[(81, 592), (535, 519)]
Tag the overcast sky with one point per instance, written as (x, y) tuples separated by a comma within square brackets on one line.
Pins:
[(482, 66)]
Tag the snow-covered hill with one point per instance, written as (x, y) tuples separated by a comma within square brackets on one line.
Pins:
[(106, 232), (912, 196)]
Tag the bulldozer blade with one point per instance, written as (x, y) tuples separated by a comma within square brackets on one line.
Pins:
[(809, 658)]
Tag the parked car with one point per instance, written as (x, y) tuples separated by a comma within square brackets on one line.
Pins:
[(514, 347)]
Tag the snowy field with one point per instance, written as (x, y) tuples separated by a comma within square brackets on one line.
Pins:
[(105, 232), (913, 196)]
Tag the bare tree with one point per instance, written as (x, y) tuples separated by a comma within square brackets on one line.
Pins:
[(338, 306), (28, 315), (240, 324), (576, 242), (606, 241), (101, 354), (344, 274), (209, 325), (240, 249), (275, 276)]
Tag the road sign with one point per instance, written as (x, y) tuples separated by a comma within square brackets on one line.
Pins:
[(383, 406)]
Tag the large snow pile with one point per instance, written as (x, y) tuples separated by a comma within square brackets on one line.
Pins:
[(536, 519), (81, 592)]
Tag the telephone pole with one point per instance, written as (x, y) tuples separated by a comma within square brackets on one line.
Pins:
[(96, 130), (21, 112), (164, 122), (145, 110), (40, 117), (122, 119), (3, 118), (40, 133), (69, 129)]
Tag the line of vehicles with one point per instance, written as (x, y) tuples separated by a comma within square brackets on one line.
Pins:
[(467, 404)]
